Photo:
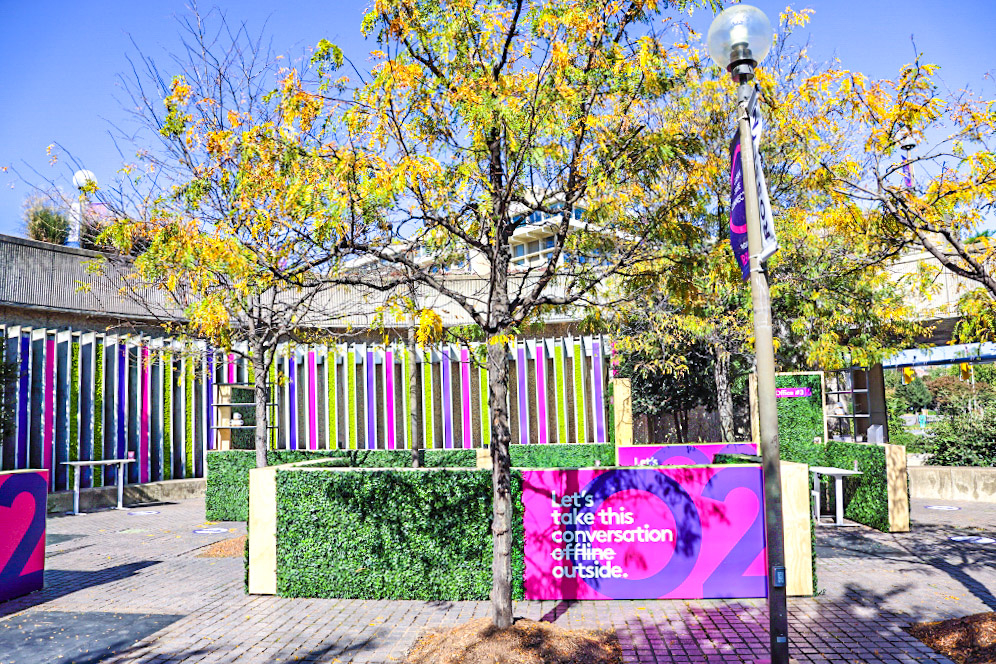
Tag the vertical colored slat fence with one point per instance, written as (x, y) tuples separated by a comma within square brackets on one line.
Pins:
[(93, 396)]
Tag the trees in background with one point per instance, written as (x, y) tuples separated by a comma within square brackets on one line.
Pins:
[(923, 176), (833, 302), (209, 219)]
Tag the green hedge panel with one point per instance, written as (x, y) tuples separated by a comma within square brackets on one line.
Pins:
[(423, 535), (580, 455), (866, 496)]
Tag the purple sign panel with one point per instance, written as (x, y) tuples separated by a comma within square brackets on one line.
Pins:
[(678, 455), (644, 533), (793, 392)]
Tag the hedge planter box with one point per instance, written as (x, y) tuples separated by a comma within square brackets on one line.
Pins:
[(596, 533), (227, 495)]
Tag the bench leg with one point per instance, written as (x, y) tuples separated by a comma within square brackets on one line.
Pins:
[(838, 486), (76, 491), (120, 486), (816, 498)]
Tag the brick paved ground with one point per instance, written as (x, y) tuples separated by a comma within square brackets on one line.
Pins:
[(106, 566)]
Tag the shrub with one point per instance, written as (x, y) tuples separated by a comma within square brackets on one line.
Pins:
[(966, 439), (403, 534), (45, 223)]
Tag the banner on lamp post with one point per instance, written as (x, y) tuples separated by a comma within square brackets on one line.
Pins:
[(738, 206), (738, 209)]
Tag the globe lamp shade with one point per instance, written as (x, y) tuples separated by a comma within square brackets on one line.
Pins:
[(739, 33)]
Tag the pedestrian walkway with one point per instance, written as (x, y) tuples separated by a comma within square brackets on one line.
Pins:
[(130, 587)]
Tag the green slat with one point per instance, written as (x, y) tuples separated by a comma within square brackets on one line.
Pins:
[(189, 418), (98, 413), (561, 388), (428, 414), (351, 398), (167, 416), (74, 411), (485, 407), (582, 432)]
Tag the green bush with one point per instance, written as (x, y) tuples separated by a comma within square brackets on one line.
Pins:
[(866, 496), (963, 440), (573, 455), (411, 534), (448, 458)]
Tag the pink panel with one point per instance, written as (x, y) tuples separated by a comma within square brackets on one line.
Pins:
[(644, 533)]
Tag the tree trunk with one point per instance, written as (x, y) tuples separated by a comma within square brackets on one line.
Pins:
[(262, 358), (413, 395), (677, 427), (724, 395), (501, 483)]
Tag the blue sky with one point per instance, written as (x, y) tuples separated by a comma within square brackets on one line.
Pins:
[(61, 61)]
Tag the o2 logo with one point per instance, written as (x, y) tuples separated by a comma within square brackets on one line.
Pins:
[(645, 533), (23, 499)]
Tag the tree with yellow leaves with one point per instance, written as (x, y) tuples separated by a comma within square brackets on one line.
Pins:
[(923, 174), (481, 119), (209, 221), (833, 302)]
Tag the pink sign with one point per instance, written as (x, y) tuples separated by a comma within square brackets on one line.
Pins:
[(793, 392), (644, 533), (678, 455), (23, 496)]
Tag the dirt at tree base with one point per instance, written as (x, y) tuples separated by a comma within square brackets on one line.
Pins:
[(968, 640), (229, 548), (525, 642)]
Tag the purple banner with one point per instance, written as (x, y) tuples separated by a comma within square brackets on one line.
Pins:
[(793, 392), (738, 209), (678, 455), (644, 533)]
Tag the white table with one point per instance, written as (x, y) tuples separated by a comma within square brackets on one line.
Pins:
[(106, 462), (838, 475)]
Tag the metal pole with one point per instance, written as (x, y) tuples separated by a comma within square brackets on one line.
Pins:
[(764, 352)]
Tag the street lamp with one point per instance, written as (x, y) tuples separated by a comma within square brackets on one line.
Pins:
[(81, 179), (739, 37)]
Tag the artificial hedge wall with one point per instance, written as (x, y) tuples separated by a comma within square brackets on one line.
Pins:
[(402, 534), (570, 455), (800, 420), (227, 492), (866, 496)]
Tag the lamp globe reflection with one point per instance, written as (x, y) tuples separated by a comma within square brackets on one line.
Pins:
[(739, 38)]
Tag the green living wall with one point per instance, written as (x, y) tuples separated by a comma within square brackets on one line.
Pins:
[(800, 420), (227, 493), (390, 534)]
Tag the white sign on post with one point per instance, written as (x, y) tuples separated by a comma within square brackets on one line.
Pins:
[(769, 243)]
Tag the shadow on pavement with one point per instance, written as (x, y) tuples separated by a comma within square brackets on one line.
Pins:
[(54, 637), (59, 583)]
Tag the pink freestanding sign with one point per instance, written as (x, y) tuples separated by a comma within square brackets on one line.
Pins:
[(678, 455), (644, 533), (23, 499)]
